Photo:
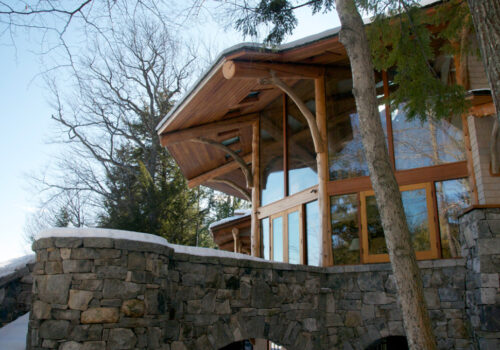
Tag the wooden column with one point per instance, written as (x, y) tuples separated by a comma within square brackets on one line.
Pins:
[(255, 225), (322, 162)]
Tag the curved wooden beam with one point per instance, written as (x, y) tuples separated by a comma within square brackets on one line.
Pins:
[(311, 120), (233, 185), (244, 167)]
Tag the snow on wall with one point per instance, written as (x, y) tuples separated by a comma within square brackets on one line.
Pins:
[(139, 237), (8, 267)]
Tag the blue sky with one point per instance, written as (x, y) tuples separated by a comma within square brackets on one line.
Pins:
[(25, 124)]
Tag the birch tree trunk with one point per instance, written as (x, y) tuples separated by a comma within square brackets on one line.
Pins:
[(486, 18), (406, 272)]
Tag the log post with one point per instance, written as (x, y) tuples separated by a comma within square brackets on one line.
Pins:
[(255, 225), (322, 163), (236, 239)]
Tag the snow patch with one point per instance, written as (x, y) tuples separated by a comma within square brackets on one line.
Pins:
[(238, 215), (139, 237), (13, 335), (8, 267)]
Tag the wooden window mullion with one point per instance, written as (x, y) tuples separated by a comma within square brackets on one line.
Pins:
[(285, 145)]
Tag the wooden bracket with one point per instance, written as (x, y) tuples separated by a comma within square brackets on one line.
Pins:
[(244, 167), (232, 184), (311, 120)]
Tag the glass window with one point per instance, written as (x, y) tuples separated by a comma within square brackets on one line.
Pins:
[(278, 238), (271, 152), (293, 238), (302, 167), (432, 142), (452, 197), (345, 149), (345, 229), (415, 204), (313, 234), (265, 238)]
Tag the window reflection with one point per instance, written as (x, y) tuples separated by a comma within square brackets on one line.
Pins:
[(293, 238), (278, 238), (302, 166), (452, 197), (265, 238), (432, 142), (271, 154), (417, 218), (313, 234), (345, 149), (345, 229)]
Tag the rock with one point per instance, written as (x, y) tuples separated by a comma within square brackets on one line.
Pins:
[(121, 338), (133, 308), (136, 261), (41, 310), (94, 345), (448, 294), (370, 282), (77, 266), (54, 329), (66, 314), (118, 289), (353, 319), (100, 315), (456, 329), (53, 289), (79, 299), (53, 267), (65, 253), (70, 345), (377, 298), (68, 242)]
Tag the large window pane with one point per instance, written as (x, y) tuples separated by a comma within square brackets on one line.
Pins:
[(278, 239), (313, 234), (302, 169), (345, 149), (415, 208), (271, 152), (293, 238), (419, 144), (265, 238), (345, 229), (452, 197)]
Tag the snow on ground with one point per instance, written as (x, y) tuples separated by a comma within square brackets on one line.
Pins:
[(9, 266), (140, 237), (13, 335)]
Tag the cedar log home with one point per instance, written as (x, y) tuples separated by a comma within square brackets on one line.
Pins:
[(279, 128)]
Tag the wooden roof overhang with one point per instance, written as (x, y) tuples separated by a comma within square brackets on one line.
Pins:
[(228, 98)]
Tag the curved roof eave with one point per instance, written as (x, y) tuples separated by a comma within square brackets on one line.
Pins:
[(250, 46)]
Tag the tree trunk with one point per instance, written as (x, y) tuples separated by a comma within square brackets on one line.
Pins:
[(397, 236), (486, 18)]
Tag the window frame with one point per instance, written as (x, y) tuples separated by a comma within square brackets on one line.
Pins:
[(433, 253), (302, 238)]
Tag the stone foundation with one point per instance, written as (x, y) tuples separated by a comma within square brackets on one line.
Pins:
[(104, 293)]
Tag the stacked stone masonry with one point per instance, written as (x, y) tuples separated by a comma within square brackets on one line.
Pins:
[(15, 293), (101, 293)]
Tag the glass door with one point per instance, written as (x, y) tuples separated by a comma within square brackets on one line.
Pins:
[(287, 236)]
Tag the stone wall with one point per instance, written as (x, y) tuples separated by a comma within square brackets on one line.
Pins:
[(480, 238), (15, 290), (103, 293)]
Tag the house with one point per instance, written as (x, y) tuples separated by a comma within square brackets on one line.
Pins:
[(239, 132)]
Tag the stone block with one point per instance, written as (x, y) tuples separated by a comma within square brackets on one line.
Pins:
[(133, 308), (490, 280), (488, 246), (370, 282), (432, 298), (98, 242), (70, 345), (121, 338), (100, 315), (91, 285), (456, 329), (353, 319), (378, 298), (136, 261), (53, 289), (118, 289), (488, 295), (70, 266), (94, 345), (79, 299), (66, 314), (118, 272), (65, 253), (68, 242), (41, 310), (94, 253), (54, 329), (448, 294)]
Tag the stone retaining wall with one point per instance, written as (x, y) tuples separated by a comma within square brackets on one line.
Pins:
[(480, 237), (15, 292), (103, 293)]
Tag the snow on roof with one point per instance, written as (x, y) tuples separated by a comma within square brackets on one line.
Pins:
[(10, 266), (241, 213), (139, 237)]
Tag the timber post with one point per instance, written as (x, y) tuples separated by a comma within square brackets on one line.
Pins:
[(255, 225), (322, 163)]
